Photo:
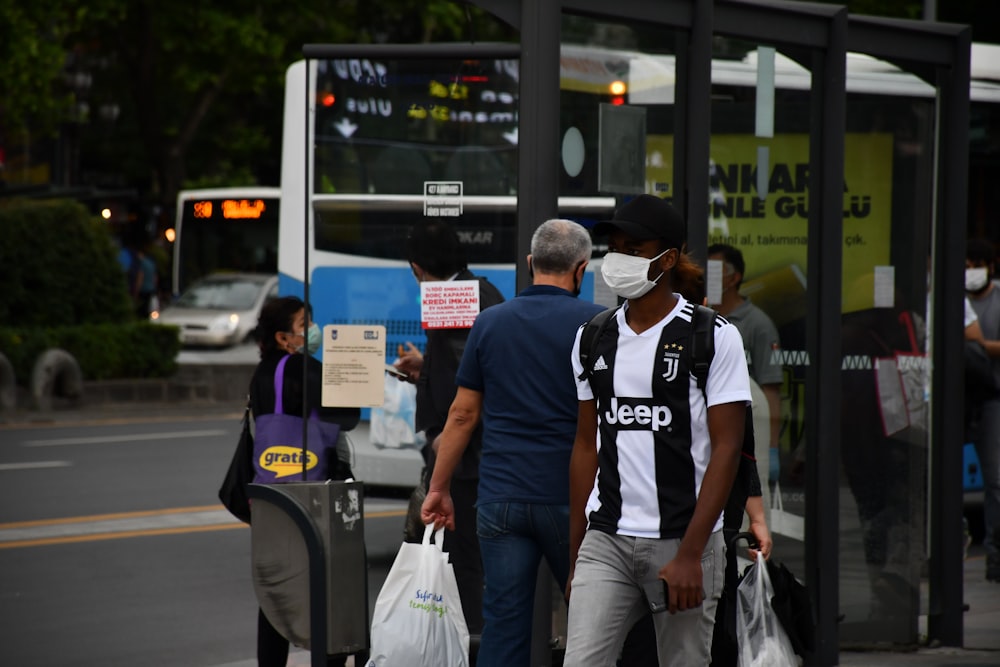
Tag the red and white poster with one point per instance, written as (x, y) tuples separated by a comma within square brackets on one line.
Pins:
[(449, 304)]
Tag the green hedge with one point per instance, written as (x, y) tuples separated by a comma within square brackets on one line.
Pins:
[(104, 351), (60, 266), (61, 286)]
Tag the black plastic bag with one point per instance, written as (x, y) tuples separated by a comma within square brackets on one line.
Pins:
[(233, 492), (790, 602), (793, 608)]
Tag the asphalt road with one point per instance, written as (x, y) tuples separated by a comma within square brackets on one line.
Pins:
[(115, 551)]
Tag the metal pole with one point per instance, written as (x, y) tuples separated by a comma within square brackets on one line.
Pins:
[(823, 324), (946, 571), (692, 136), (930, 10), (306, 191), (538, 125), (537, 196)]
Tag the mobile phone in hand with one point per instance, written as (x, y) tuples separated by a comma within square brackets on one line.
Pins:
[(395, 372), (657, 596)]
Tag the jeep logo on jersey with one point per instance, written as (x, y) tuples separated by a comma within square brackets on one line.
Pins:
[(637, 414)]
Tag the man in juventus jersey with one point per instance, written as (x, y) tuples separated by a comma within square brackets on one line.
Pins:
[(653, 461)]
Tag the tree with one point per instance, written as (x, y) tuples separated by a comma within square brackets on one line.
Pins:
[(186, 92), (33, 56)]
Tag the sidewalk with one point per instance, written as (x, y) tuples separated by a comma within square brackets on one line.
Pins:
[(981, 629)]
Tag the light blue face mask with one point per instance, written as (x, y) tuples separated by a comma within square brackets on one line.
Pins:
[(313, 338)]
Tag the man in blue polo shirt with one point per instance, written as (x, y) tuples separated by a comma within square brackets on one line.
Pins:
[(517, 377)]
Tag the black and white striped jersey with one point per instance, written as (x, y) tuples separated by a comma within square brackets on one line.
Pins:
[(653, 442)]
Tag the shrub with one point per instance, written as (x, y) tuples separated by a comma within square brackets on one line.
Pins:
[(62, 287), (104, 351), (59, 266)]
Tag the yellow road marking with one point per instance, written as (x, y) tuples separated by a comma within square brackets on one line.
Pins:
[(113, 535), (110, 517), (119, 535)]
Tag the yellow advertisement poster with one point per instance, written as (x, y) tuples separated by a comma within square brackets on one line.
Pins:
[(772, 231)]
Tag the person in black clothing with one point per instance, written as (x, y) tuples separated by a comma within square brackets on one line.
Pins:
[(436, 254), (282, 330)]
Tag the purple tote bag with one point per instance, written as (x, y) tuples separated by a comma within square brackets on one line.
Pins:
[(277, 447)]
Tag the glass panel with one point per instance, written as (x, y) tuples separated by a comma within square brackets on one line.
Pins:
[(757, 250), (887, 218), (399, 141), (616, 118), (616, 132), (386, 126)]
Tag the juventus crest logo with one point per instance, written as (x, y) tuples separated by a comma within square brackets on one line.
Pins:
[(672, 364), (671, 361)]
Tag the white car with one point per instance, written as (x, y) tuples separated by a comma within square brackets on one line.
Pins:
[(220, 309)]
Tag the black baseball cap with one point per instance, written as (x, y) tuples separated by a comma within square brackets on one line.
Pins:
[(645, 218)]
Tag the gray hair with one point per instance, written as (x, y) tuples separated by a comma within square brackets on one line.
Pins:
[(558, 246)]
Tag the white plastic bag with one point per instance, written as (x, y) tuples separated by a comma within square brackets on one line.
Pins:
[(418, 620), (392, 424), (763, 641)]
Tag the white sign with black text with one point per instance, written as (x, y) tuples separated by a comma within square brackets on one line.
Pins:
[(442, 199)]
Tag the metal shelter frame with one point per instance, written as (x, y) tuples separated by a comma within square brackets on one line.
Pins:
[(818, 36)]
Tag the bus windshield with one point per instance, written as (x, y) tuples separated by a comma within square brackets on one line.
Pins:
[(225, 229)]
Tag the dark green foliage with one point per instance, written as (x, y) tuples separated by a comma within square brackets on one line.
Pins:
[(62, 287), (104, 351), (59, 267)]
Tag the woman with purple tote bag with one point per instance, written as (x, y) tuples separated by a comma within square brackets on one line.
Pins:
[(287, 340)]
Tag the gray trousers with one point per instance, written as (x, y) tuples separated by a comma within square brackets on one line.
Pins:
[(614, 577)]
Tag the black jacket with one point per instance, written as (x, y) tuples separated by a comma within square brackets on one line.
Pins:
[(436, 388)]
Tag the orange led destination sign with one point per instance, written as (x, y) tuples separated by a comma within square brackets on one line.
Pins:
[(232, 209)]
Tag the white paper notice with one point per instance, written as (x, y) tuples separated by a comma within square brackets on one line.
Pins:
[(713, 281), (885, 286), (353, 365), (443, 199), (449, 304)]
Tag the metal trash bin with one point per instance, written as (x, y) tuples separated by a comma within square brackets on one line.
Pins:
[(280, 563)]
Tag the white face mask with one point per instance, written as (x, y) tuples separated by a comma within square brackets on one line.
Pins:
[(626, 275), (976, 278)]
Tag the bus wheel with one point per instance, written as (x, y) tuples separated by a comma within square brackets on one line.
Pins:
[(56, 373), (8, 384)]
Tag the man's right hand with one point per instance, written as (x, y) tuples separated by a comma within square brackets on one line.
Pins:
[(438, 509), (409, 361)]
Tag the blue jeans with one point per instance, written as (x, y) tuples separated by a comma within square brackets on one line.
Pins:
[(513, 538)]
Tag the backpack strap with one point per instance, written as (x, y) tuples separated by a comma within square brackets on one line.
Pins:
[(589, 339), (702, 344)]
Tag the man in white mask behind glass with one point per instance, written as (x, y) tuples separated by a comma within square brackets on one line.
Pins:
[(980, 263), (654, 458)]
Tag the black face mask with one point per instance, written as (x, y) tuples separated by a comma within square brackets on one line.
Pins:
[(577, 286)]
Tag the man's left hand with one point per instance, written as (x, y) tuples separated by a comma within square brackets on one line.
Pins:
[(684, 583)]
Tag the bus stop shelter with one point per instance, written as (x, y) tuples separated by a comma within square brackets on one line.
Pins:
[(867, 177)]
